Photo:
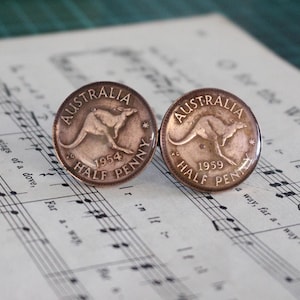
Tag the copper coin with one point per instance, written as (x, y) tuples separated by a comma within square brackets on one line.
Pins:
[(104, 133), (210, 140)]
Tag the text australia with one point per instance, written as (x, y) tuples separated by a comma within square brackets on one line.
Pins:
[(92, 94), (205, 100)]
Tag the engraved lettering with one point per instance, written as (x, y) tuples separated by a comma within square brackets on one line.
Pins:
[(103, 175), (140, 154), (78, 167), (219, 101), (76, 109), (230, 177), (190, 173), (119, 94), (238, 112), (182, 165), (92, 95), (233, 106), (193, 103), (179, 117), (77, 101), (88, 172), (134, 162), (126, 99), (103, 92), (226, 102), (204, 179), (84, 98), (200, 99), (186, 111), (111, 95), (67, 119), (118, 173), (208, 99), (126, 169), (190, 105)]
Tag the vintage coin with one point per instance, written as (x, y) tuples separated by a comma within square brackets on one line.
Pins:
[(210, 140), (104, 133)]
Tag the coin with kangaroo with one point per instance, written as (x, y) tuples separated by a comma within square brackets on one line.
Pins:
[(210, 140), (104, 133)]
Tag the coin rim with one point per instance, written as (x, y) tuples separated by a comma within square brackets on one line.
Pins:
[(153, 122), (163, 141)]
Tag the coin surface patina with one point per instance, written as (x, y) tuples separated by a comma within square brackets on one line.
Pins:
[(210, 140), (104, 133)]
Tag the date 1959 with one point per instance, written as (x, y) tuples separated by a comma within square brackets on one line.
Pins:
[(211, 165)]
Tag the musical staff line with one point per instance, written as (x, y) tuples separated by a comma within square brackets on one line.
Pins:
[(267, 230)]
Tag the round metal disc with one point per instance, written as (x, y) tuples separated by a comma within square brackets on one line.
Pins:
[(210, 140), (104, 133)]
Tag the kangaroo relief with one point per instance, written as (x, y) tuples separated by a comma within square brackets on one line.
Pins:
[(212, 129), (102, 122)]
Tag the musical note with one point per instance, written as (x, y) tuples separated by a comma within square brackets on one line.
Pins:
[(47, 174), (140, 207), (228, 221), (110, 229), (98, 214), (73, 280), (285, 194), (6, 89), (120, 245), (34, 118), (276, 184), (154, 220), (142, 266), (215, 225), (271, 172)]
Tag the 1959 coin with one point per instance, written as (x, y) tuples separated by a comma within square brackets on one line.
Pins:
[(104, 133), (210, 140)]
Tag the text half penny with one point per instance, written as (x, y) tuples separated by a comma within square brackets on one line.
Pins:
[(210, 140), (104, 133)]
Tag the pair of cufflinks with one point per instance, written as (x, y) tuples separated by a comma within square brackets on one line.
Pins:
[(105, 133)]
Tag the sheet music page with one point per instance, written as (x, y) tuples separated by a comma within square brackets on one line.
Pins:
[(150, 238)]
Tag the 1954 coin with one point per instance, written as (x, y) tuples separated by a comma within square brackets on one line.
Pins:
[(104, 133), (210, 140)]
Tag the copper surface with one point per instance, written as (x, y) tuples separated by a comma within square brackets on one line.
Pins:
[(210, 140), (104, 133)]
